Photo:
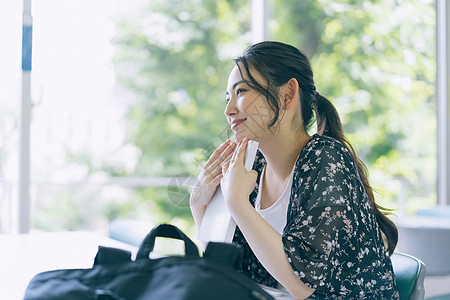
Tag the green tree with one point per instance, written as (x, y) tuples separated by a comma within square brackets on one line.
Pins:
[(175, 57), (376, 61), (373, 59)]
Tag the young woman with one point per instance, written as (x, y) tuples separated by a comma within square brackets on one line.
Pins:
[(306, 214)]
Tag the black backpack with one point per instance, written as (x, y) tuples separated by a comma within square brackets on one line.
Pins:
[(115, 276)]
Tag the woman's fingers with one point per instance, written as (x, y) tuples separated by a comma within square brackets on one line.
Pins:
[(211, 173), (217, 153), (226, 153), (240, 151), (215, 172), (225, 166), (216, 180), (233, 156), (215, 166)]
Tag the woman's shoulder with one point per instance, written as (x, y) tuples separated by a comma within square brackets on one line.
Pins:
[(321, 148), (324, 155), (324, 142)]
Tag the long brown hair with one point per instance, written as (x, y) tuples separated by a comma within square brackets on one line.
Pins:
[(278, 63)]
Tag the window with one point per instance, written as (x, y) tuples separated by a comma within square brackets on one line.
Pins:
[(117, 92), (126, 98), (10, 55)]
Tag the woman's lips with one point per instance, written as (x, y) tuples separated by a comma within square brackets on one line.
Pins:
[(235, 123)]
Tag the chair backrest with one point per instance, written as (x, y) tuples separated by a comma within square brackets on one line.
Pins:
[(409, 273)]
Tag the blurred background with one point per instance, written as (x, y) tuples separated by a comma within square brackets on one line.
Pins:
[(128, 99)]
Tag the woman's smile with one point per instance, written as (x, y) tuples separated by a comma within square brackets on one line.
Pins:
[(235, 123)]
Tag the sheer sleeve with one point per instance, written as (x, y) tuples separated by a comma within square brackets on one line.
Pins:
[(328, 219)]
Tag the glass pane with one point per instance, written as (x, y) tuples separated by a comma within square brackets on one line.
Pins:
[(10, 96), (127, 91), (174, 58), (77, 129), (375, 60)]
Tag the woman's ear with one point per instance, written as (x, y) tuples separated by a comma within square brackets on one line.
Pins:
[(290, 93)]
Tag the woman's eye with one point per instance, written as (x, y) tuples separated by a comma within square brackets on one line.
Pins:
[(238, 91)]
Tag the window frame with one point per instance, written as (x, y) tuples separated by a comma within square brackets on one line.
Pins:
[(443, 100)]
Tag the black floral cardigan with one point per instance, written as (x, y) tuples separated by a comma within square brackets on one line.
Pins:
[(331, 237)]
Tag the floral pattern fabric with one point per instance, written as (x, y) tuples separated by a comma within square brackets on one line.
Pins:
[(331, 238)]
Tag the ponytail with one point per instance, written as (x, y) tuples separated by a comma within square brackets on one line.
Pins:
[(329, 123)]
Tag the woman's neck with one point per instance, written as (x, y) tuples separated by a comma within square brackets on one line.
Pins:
[(281, 153)]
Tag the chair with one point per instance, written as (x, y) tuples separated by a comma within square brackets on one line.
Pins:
[(410, 274)]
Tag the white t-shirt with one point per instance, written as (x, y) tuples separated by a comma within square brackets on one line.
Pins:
[(276, 214)]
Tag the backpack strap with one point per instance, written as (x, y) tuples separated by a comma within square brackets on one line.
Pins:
[(168, 231)]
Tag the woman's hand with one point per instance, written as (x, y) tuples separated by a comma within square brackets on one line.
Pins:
[(237, 183), (210, 176)]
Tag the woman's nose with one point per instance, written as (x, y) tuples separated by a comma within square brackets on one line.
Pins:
[(230, 109)]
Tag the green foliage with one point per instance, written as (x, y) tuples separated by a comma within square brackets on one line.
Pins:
[(175, 56), (63, 213), (373, 59)]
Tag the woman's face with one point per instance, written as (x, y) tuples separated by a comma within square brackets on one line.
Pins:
[(247, 111)]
